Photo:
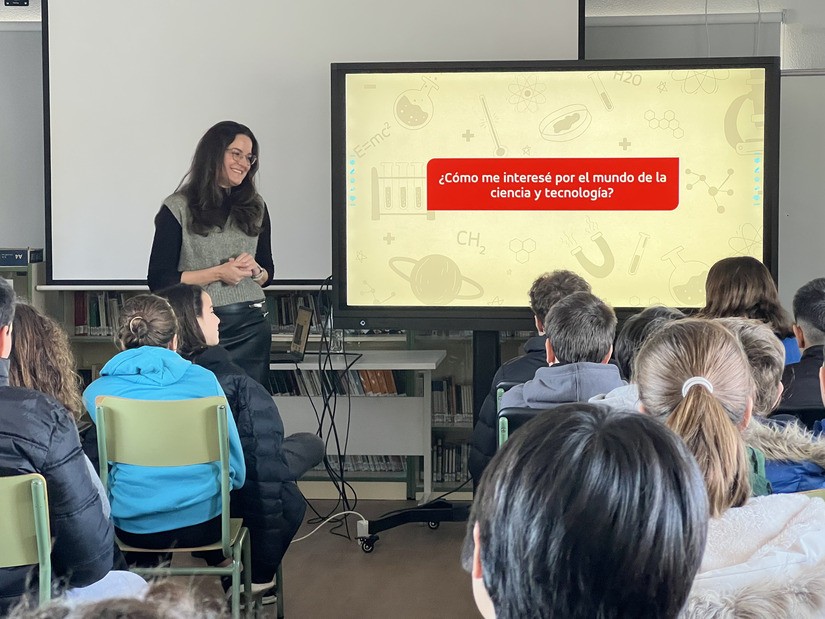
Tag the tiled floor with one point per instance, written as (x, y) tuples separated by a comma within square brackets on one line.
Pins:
[(414, 572)]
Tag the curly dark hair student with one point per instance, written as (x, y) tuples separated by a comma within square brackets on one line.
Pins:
[(588, 513), (549, 288)]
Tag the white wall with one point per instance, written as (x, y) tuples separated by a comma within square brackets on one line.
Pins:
[(21, 135)]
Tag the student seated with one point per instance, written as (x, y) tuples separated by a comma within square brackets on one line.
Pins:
[(546, 290), (38, 435), (42, 359), (801, 380), (765, 556), (742, 286), (160, 507), (580, 330), (270, 502), (789, 456), (586, 512), (632, 335)]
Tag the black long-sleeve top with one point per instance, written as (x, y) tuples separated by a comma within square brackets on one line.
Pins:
[(163, 261)]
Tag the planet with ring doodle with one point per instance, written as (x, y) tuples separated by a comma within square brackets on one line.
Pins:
[(435, 279)]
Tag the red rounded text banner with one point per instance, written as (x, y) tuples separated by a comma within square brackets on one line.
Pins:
[(586, 184)]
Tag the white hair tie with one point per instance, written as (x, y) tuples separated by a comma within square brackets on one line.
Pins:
[(696, 380)]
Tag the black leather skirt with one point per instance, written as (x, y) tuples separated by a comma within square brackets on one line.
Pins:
[(245, 334)]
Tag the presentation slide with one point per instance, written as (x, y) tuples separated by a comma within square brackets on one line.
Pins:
[(463, 186)]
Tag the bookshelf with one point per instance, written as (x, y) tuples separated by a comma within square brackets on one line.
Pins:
[(400, 425)]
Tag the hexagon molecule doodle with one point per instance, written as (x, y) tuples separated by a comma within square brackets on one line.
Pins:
[(522, 249)]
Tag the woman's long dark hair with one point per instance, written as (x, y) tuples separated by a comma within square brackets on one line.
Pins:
[(742, 286), (203, 192), (187, 301)]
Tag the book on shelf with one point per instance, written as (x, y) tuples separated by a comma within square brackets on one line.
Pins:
[(366, 464), (450, 461), (339, 382)]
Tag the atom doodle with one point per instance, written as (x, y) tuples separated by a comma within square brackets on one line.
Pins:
[(705, 80), (748, 242)]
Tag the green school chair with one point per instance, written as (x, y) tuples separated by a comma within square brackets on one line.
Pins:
[(178, 433), (24, 522)]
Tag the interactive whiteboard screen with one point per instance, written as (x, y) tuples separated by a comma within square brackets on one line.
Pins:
[(459, 185)]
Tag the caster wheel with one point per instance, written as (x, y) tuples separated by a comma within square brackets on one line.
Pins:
[(433, 525), (367, 547)]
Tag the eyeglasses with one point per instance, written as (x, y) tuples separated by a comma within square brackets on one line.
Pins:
[(238, 156)]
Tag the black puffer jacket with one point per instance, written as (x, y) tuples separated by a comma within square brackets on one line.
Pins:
[(269, 502), (37, 435), (484, 441)]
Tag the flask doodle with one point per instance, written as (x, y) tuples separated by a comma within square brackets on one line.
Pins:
[(435, 279), (413, 108), (687, 281), (608, 261)]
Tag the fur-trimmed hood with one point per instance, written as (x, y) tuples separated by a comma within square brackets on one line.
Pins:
[(764, 559), (791, 443)]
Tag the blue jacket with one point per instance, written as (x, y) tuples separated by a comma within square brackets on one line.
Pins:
[(152, 499)]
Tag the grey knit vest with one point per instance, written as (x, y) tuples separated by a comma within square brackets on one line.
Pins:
[(201, 252)]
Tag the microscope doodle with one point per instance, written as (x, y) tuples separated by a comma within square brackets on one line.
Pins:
[(435, 279), (747, 112)]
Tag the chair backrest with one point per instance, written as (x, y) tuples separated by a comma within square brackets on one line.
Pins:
[(808, 415), (25, 538), (501, 388), (166, 433), (511, 418)]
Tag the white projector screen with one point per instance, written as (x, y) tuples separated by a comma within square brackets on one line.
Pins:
[(131, 87)]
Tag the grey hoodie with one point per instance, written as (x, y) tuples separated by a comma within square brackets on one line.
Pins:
[(563, 383)]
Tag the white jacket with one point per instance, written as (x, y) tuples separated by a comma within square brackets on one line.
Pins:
[(764, 559)]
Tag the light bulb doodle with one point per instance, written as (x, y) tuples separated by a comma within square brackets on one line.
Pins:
[(435, 279), (595, 269)]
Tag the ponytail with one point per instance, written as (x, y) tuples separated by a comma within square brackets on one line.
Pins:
[(717, 444)]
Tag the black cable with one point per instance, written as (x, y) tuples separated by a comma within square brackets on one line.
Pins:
[(430, 502)]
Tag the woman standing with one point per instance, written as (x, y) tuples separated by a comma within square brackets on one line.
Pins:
[(214, 231)]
